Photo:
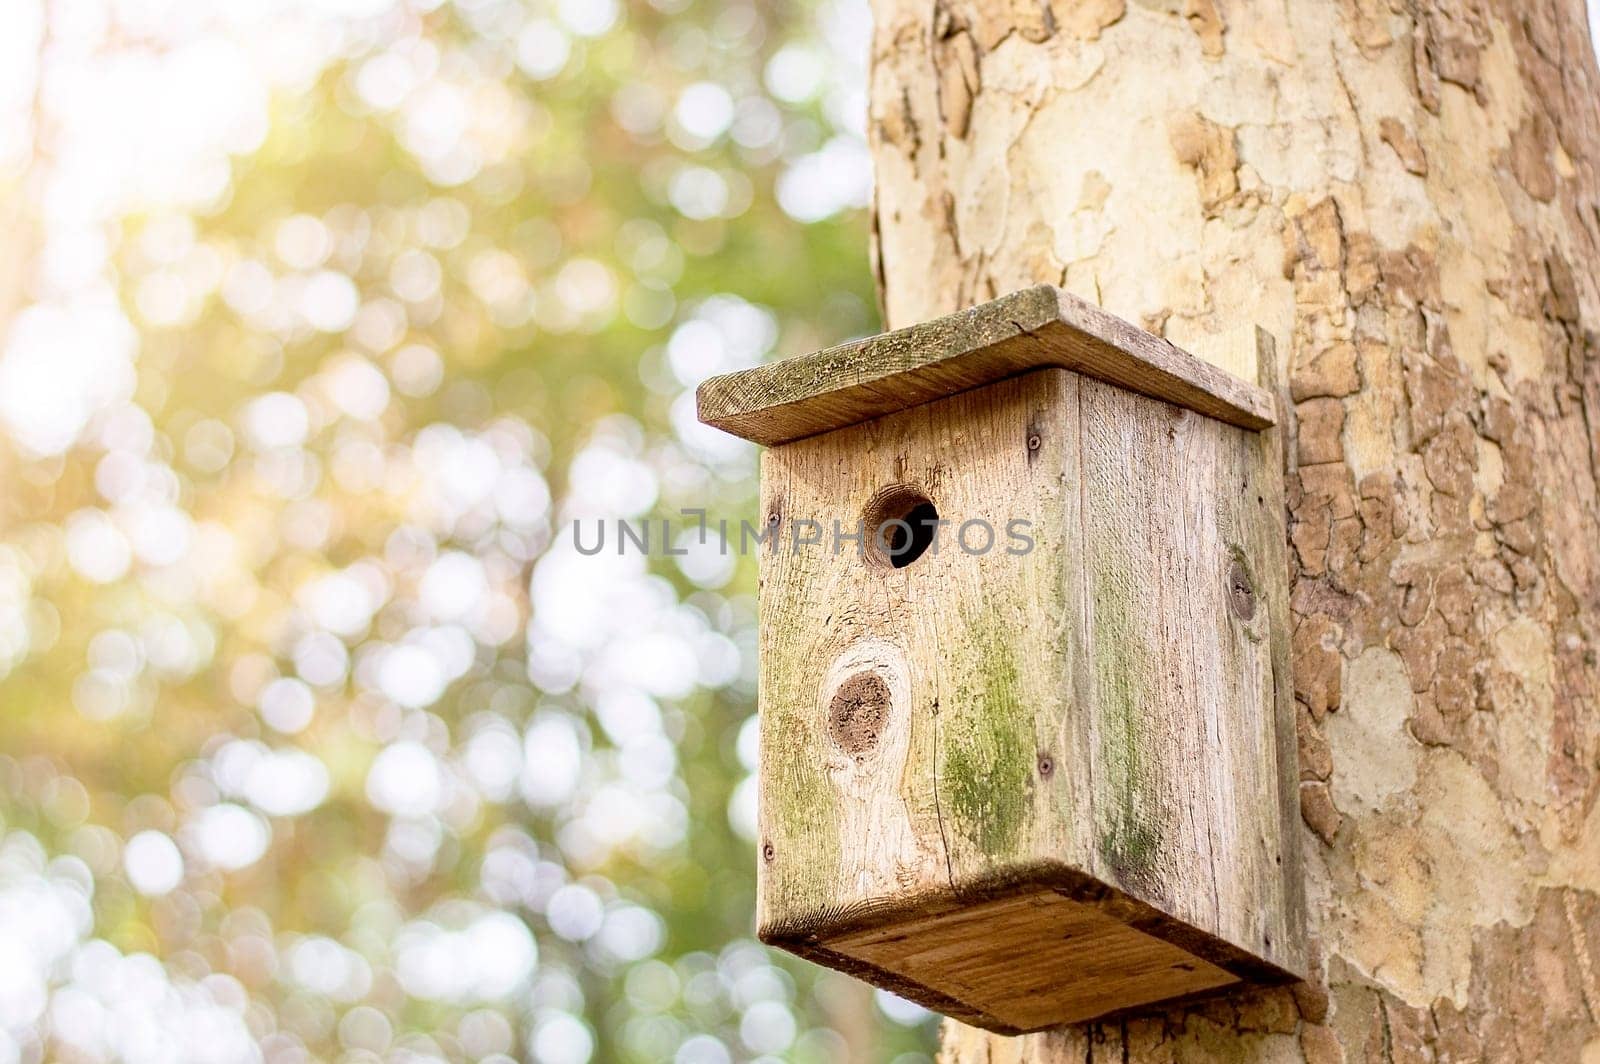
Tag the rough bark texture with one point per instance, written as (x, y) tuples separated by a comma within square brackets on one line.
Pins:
[(1404, 192)]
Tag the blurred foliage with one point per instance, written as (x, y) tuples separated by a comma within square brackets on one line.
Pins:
[(319, 740)]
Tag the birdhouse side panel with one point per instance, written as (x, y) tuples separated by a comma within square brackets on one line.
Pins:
[(1185, 647)]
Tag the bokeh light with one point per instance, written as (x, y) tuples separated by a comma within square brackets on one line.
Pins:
[(321, 322)]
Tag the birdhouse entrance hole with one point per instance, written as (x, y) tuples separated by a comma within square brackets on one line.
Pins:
[(901, 523)]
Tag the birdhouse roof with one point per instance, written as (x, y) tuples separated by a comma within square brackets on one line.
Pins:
[(1035, 328)]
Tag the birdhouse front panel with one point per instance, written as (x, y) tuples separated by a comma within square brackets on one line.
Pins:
[(1026, 745)]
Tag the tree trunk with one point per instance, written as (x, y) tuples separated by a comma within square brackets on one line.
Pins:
[(1404, 193)]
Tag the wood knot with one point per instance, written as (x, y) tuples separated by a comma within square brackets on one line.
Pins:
[(1241, 592), (858, 713), (1047, 766), (768, 854)]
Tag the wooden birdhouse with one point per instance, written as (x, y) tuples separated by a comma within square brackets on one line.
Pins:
[(1027, 745)]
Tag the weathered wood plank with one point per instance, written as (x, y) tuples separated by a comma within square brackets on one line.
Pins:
[(1027, 330), (968, 649), (1185, 755), (987, 955), (1269, 541)]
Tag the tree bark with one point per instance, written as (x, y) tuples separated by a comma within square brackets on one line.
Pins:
[(1404, 192)]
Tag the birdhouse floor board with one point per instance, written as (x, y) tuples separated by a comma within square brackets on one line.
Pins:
[(1028, 962), (1035, 328)]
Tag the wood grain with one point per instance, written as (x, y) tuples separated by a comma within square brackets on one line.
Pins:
[(1026, 330), (988, 954), (1109, 709)]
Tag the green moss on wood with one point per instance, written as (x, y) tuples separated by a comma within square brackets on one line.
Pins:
[(1124, 793), (799, 804), (986, 774), (800, 814)]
